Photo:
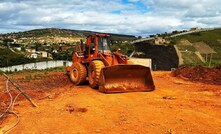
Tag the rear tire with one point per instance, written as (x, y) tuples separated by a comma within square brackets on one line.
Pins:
[(94, 72), (78, 74)]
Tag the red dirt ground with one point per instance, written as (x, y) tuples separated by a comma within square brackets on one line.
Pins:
[(176, 106)]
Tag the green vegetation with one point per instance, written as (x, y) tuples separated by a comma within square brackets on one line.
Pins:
[(191, 58), (63, 55), (55, 32), (51, 40), (49, 32), (8, 58), (186, 48), (28, 77), (44, 71), (118, 37), (210, 37), (125, 48), (1, 72), (44, 40)]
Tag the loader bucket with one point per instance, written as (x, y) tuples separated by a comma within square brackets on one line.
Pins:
[(125, 78)]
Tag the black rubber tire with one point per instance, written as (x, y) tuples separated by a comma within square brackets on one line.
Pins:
[(94, 72), (78, 74)]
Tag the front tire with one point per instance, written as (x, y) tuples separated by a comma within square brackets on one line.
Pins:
[(78, 74), (94, 72)]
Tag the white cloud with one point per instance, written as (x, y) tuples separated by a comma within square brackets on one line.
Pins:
[(138, 17)]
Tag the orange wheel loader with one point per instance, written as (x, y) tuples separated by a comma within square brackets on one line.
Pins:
[(109, 72)]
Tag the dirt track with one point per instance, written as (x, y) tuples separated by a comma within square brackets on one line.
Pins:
[(176, 106)]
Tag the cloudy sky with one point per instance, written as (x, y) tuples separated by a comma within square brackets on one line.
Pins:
[(136, 17)]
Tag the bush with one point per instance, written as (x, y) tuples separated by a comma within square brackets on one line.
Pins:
[(126, 48), (64, 55)]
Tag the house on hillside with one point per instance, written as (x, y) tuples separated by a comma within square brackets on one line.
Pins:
[(194, 28), (44, 54), (34, 55), (54, 51), (160, 41), (30, 50)]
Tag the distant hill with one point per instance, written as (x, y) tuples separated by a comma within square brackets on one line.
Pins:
[(55, 32), (15, 47)]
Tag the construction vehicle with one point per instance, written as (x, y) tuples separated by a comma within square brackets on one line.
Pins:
[(108, 71)]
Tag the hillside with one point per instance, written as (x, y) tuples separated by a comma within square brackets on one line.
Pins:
[(200, 48), (55, 32), (44, 44)]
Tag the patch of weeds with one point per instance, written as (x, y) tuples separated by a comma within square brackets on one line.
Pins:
[(28, 77), (45, 71), (1, 72), (56, 69)]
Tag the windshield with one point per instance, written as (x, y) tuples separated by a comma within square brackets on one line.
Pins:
[(104, 44)]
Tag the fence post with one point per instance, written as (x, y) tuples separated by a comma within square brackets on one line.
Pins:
[(46, 64)]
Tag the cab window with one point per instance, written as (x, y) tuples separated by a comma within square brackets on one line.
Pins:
[(92, 45), (103, 44)]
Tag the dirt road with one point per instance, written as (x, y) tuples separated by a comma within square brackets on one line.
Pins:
[(176, 106)]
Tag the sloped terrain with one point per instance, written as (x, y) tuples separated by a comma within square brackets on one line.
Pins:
[(210, 38)]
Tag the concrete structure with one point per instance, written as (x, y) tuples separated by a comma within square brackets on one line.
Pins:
[(142, 61), (37, 66)]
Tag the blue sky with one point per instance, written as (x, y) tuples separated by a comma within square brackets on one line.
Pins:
[(135, 17)]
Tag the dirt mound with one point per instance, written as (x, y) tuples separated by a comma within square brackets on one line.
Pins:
[(200, 74), (163, 57)]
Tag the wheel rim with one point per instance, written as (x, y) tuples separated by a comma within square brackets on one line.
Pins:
[(74, 75)]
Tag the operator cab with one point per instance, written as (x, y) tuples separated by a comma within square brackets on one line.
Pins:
[(104, 44)]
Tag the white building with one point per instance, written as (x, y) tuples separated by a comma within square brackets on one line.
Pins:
[(35, 56), (30, 50)]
